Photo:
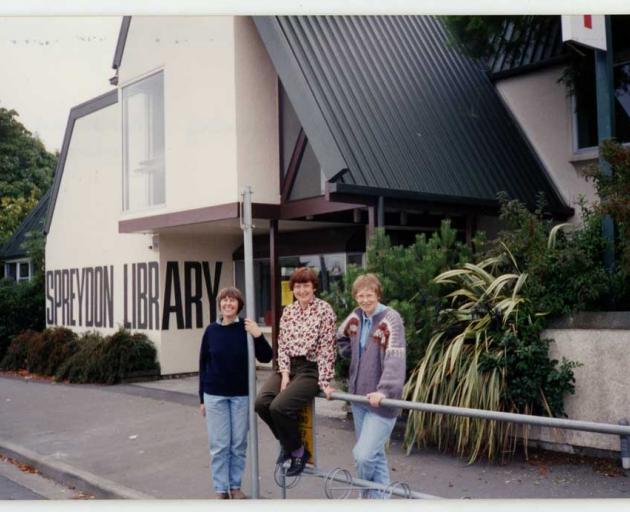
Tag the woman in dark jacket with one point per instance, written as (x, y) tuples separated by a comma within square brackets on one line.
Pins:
[(223, 390)]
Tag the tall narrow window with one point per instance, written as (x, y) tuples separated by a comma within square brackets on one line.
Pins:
[(143, 143)]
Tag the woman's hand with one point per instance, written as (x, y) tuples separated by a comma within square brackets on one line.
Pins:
[(202, 410), (327, 391), (375, 398), (252, 328), (285, 381)]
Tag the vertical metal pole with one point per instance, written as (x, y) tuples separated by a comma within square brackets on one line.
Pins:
[(380, 217), (249, 301), (276, 292), (606, 127)]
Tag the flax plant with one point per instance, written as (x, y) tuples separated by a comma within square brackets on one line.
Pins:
[(463, 366)]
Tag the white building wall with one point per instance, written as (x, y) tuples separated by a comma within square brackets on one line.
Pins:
[(84, 228), (258, 154), (544, 111), (196, 55), (179, 348)]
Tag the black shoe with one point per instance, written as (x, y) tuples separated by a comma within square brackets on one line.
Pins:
[(282, 457), (298, 463)]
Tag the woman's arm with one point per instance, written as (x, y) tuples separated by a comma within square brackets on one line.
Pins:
[(394, 365), (326, 352), (347, 328), (284, 362), (203, 357), (262, 350)]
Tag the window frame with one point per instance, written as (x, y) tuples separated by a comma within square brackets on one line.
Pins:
[(18, 262), (126, 209)]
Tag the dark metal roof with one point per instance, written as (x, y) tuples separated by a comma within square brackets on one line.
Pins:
[(34, 221), (102, 101), (387, 99), (543, 47)]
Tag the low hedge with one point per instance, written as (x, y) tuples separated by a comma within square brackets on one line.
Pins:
[(91, 358)]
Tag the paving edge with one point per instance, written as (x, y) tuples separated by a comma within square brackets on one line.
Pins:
[(63, 473)]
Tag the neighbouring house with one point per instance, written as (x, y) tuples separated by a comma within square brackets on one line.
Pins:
[(338, 124), (559, 119), (14, 255)]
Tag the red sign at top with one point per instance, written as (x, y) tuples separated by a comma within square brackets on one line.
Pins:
[(588, 21)]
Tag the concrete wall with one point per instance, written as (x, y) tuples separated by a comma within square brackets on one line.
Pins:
[(602, 389), (541, 106)]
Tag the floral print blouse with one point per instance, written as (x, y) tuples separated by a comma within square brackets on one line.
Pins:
[(308, 332)]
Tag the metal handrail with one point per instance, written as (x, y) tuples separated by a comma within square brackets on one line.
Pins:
[(525, 419)]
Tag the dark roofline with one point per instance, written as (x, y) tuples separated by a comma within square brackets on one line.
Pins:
[(122, 39), (530, 68), (338, 190), (14, 254), (81, 110)]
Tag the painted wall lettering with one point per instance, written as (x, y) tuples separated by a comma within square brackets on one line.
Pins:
[(84, 297), (88, 291)]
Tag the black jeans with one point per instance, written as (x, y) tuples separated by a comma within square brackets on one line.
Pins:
[(280, 410)]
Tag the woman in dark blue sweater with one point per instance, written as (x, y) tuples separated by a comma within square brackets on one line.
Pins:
[(223, 390)]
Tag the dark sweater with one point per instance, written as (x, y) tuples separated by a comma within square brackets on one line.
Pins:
[(223, 359)]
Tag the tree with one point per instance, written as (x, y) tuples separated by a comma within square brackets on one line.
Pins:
[(26, 171), (481, 37), (13, 210)]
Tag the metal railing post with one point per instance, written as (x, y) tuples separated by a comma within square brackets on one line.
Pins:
[(246, 226)]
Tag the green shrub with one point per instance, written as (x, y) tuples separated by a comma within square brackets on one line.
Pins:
[(613, 190), (486, 353), (108, 360), (22, 307), (566, 270), (49, 349), (16, 354), (77, 368)]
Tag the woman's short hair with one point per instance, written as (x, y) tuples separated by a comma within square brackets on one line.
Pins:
[(369, 281), (303, 275), (233, 293)]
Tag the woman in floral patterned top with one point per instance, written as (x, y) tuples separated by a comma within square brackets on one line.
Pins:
[(306, 361)]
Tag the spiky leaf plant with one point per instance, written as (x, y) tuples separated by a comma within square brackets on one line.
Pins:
[(469, 359)]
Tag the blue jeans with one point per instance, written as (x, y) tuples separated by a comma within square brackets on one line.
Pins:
[(372, 432), (227, 419)]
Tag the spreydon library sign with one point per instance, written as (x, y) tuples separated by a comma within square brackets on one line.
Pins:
[(84, 297)]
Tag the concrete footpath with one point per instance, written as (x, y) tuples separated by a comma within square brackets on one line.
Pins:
[(148, 440)]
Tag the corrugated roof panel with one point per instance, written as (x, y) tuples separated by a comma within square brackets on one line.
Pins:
[(543, 46), (410, 113)]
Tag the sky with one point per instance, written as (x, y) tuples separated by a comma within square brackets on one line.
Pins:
[(51, 64)]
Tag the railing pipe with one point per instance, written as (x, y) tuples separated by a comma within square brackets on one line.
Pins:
[(525, 419)]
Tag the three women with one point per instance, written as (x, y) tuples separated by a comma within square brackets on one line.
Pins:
[(372, 336)]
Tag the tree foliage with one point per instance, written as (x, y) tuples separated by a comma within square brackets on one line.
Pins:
[(26, 171), (480, 37), (564, 263), (613, 190)]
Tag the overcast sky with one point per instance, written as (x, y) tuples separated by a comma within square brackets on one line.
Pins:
[(51, 64)]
